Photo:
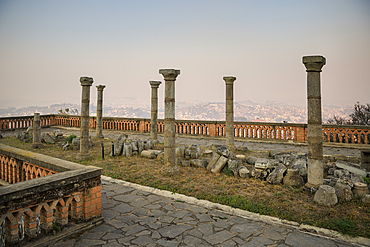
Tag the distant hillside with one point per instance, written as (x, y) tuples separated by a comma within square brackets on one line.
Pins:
[(243, 111)]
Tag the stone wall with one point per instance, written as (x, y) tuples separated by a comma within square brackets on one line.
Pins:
[(52, 190)]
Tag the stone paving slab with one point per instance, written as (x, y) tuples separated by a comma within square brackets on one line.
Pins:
[(169, 219)]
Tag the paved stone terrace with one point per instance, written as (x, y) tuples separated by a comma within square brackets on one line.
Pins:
[(135, 216)]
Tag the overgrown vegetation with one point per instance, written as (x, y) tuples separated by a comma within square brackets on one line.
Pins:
[(285, 202)]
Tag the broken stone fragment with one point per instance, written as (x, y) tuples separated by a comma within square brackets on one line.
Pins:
[(57, 133), (257, 173), (185, 163), (342, 173), (50, 139), (223, 150), (325, 195), (179, 151), (252, 160), (343, 192), (213, 161), (199, 163), (207, 154), (366, 199), (351, 167), (276, 177), (292, 178), (346, 181), (221, 162), (128, 149), (261, 163), (244, 172), (231, 164), (150, 154)]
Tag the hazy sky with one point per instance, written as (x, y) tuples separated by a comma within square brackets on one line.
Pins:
[(45, 46)]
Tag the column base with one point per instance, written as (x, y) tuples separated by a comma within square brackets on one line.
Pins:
[(81, 156), (37, 145)]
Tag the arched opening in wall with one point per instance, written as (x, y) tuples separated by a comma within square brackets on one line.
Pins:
[(207, 131), (287, 134), (349, 138), (281, 134), (362, 138), (325, 137), (21, 228), (368, 138), (355, 138), (293, 137)]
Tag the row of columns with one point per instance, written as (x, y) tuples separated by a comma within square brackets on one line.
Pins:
[(313, 66)]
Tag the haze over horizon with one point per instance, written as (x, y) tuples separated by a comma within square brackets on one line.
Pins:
[(46, 46)]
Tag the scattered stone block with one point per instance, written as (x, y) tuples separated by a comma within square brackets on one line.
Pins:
[(357, 178), (346, 181), (343, 192), (240, 156), (257, 173), (207, 154), (221, 162), (128, 149), (148, 154), (160, 156), (351, 167), (252, 160), (180, 152), (29, 130), (213, 161), (276, 177), (185, 163), (342, 173), (57, 133), (231, 164), (261, 163), (49, 139), (293, 178), (325, 195), (199, 163)]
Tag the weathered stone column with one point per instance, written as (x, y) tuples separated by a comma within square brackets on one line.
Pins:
[(169, 121), (229, 80), (315, 151), (86, 83), (154, 110), (99, 112), (36, 131)]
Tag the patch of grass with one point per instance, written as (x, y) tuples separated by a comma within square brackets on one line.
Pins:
[(367, 180), (254, 195), (344, 226), (70, 138)]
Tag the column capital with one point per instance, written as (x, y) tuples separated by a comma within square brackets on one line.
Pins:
[(100, 87), (86, 81), (313, 63), (229, 79), (155, 84), (169, 74)]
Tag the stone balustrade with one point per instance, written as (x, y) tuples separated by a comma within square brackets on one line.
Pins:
[(354, 134), (51, 192)]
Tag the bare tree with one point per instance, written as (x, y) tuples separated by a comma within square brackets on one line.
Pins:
[(360, 116)]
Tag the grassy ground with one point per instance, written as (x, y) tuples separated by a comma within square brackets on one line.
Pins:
[(285, 202)]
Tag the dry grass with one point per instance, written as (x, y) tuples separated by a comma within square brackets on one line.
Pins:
[(254, 195)]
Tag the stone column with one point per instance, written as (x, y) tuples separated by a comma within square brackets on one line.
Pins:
[(154, 110), (229, 80), (36, 131), (169, 121), (313, 66), (86, 83), (99, 112)]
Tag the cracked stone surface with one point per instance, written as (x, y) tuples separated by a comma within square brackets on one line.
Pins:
[(139, 218)]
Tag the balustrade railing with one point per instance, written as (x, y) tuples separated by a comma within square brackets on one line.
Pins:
[(354, 134), (51, 191)]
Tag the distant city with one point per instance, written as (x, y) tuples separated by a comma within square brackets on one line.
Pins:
[(243, 111)]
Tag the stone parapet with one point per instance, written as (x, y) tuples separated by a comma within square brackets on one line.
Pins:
[(51, 188)]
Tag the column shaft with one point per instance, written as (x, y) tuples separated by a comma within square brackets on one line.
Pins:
[(154, 110), (169, 121), (229, 80), (99, 112), (315, 149), (86, 83)]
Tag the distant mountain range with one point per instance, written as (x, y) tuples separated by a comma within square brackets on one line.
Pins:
[(270, 111)]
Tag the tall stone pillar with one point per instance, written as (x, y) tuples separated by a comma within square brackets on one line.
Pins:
[(313, 66), (229, 80), (36, 131), (99, 112), (169, 166), (86, 83), (154, 110)]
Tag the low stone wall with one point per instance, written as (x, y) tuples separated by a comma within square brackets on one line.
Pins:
[(41, 202), (353, 134)]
